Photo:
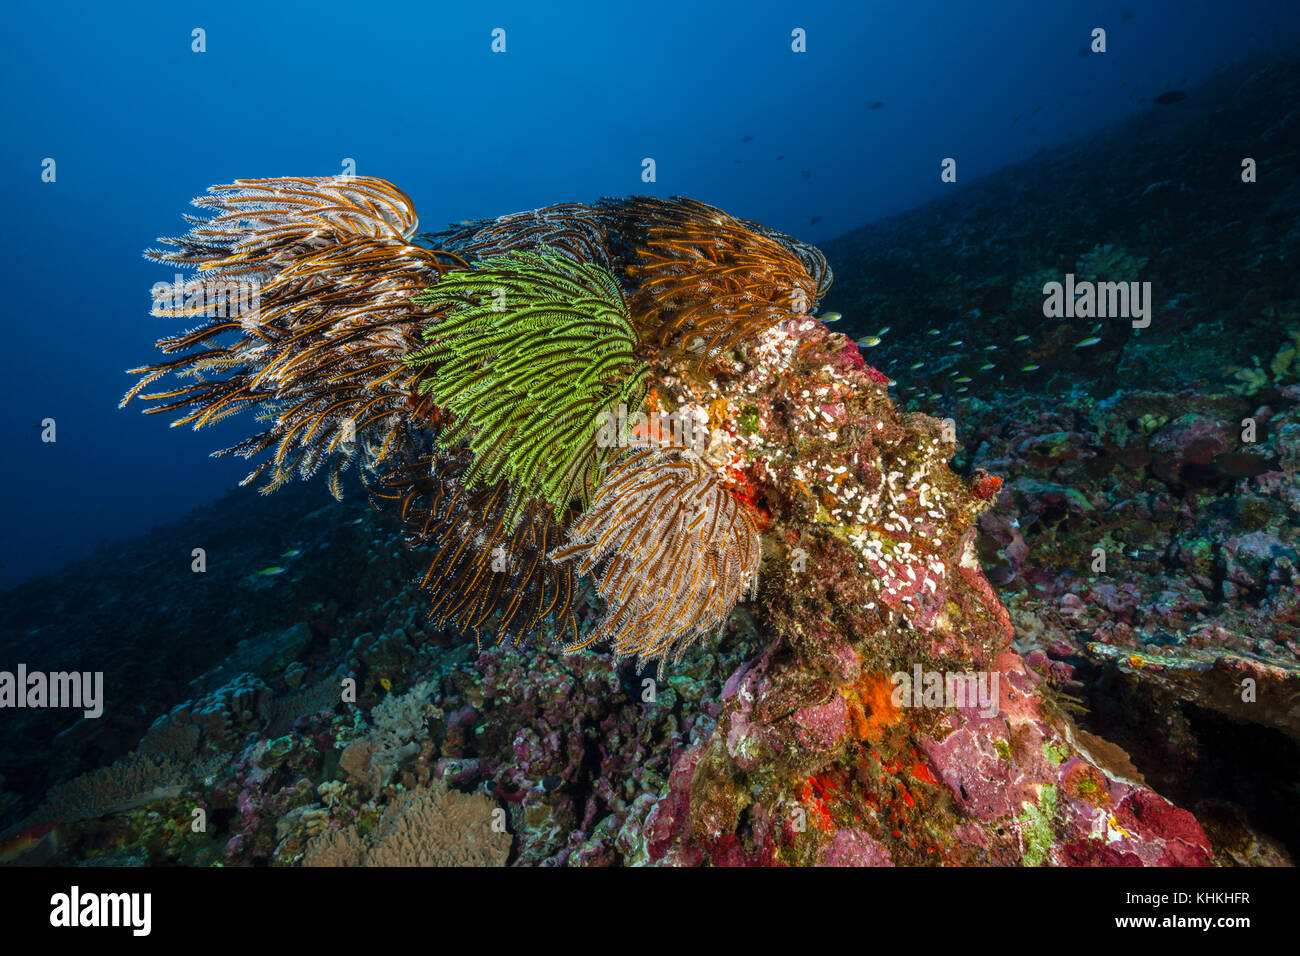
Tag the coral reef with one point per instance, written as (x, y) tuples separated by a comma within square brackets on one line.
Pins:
[(933, 669), (427, 828), (805, 754), (1148, 550), (1283, 368), (817, 757), (1145, 539)]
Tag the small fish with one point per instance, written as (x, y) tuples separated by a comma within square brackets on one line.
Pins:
[(931, 331), (882, 332), (1095, 329), (272, 570), (736, 161), (1029, 368), (962, 389), (1000, 574), (747, 139), (1021, 338), (1142, 554), (868, 341), (987, 366), (917, 365), (990, 348), (1238, 464), (963, 379), (878, 104), (780, 157), (813, 220), (1087, 342), (955, 344), (1173, 96), (291, 553), (386, 684), (806, 173), (1036, 109), (830, 317)]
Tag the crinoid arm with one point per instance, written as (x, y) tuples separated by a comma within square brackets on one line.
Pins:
[(530, 353), (306, 287), (812, 258), (672, 552), (572, 228), (485, 573), (702, 279)]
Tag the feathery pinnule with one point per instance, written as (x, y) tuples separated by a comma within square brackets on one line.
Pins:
[(572, 228), (325, 318), (702, 279), (531, 353), (483, 573), (812, 258), (673, 552)]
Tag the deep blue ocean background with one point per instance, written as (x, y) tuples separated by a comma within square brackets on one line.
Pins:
[(138, 124)]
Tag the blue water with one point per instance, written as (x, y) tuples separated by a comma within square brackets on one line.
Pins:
[(138, 124)]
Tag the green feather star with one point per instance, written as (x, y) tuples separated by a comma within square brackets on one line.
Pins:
[(531, 356)]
